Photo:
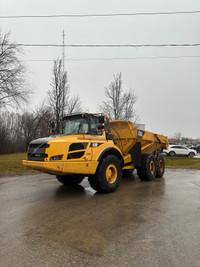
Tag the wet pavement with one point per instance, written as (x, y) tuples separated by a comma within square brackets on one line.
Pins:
[(141, 224)]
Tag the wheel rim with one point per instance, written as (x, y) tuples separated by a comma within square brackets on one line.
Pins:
[(152, 167), (161, 165), (111, 173)]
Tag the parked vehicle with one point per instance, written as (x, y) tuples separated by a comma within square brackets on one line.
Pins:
[(197, 148), (179, 150), (189, 146)]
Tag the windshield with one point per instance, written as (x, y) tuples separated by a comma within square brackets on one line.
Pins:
[(81, 125), (75, 125)]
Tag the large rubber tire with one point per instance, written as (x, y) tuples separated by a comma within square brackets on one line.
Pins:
[(108, 176), (160, 166), (147, 172), (70, 179)]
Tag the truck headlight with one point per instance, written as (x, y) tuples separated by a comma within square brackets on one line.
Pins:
[(57, 157)]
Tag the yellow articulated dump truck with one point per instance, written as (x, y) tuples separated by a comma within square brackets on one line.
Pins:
[(102, 150)]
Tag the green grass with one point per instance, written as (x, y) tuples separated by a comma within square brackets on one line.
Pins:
[(182, 162), (11, 164)]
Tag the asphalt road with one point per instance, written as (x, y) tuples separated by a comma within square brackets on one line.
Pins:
[(43, 223)]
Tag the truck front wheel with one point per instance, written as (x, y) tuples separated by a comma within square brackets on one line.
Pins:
[(70, 179), (108, 175)]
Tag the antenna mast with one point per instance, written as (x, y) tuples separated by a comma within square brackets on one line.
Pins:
[(63, 52)]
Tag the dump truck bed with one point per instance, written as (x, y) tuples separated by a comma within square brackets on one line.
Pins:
[(126, 135)]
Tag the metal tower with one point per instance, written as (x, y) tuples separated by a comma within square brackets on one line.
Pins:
[(63, 51)]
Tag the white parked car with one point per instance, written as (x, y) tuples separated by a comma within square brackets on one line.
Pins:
[(179, 150)]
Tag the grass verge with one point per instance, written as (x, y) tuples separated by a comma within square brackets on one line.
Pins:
[(11, 165), (182, 162)]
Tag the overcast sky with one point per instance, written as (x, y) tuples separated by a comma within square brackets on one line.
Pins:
[(166, 80)]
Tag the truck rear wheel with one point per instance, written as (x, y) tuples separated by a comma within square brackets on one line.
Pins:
[(147, 172), (70, 179), (160, 166), (108, 175)]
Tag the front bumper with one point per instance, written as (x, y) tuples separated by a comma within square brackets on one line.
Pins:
[(63, 167)]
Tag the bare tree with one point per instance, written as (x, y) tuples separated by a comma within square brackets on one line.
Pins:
[(58, 97), (29, 124), (128, 112), (34, 124), (119, 104), (10, 134), (18, 129), (13, 87), (45, 116), (4, 133), (74, 105)]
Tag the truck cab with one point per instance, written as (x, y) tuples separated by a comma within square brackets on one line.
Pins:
[(76, 152)]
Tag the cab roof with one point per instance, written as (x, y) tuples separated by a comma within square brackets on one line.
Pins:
[(82, 114)]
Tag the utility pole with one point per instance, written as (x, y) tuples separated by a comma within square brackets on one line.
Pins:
[(63, 52), (63, 72)]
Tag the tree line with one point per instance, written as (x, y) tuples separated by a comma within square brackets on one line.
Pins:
[(17, 129)]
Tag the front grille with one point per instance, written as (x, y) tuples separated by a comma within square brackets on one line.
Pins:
[(37, 157), (36, 152)]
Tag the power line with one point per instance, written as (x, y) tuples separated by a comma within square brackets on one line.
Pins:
[(110, 59), (101, 15), (109, 45)]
